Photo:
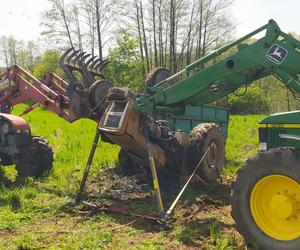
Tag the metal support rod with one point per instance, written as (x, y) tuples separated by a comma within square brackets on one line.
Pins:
[(176, 75), (154, 173), (216, 53), (88, 166), (185, 185)]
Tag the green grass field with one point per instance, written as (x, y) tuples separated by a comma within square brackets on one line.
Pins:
[(35, 214)]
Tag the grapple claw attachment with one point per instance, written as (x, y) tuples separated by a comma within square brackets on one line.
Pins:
[(87, 85), (83, 63)]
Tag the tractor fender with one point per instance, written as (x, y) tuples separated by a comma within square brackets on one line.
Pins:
[(16, 121)]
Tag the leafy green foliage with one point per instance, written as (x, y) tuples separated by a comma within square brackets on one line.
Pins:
[(126, 66), (48, 63), (254, 101)]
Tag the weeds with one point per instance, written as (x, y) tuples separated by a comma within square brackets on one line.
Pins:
[(220, 241)]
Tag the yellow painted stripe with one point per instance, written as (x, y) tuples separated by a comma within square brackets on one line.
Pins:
[(152, 161), (262, 125), (155, 184), (279, 125)]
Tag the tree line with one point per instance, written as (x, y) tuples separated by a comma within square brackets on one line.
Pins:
[(170, 33)]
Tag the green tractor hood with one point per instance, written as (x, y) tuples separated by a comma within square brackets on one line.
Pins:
[(292, 117)]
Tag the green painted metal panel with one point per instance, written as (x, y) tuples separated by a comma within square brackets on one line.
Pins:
[(214, 114), (193, 115), (283, 118), (275, 141), (282, 123), (182, 124)]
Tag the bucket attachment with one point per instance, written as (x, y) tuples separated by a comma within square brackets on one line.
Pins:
[(88, 86)]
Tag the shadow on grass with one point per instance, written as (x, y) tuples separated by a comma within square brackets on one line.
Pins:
[(9, 183), (217, 192), (199, 230)]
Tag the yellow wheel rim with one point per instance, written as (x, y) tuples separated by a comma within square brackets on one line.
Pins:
[(275, 207)]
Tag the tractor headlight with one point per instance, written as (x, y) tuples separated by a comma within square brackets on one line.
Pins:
[(5, 128), (263, 146)]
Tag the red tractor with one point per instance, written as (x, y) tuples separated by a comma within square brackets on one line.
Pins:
[(33, 155)]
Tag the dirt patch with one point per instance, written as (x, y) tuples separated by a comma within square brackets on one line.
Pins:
[(192, 223), (113, 186)]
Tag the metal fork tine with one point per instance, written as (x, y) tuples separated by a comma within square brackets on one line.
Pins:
[(82, 65), (80, 56), (90, 61), (94, 63), (87, 65), (97, 67), (73, 57), (103, 64), (68, 56), (63, 57), (85, 57), (77, 58)]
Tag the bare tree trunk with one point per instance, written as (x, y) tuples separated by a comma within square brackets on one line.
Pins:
[(12, 50), (89, 17), (154, 33), (189, 40), (138, 23), (4, 50), (99, 35), (160, 39), (199, 40), (207, 17), (144, 36), (76, 16), (60, 5), (172, 35), (166, 49), (151, 53), (92, 34)]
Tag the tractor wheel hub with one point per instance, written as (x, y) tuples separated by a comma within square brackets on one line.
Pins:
[(283, 206), (275, 207)]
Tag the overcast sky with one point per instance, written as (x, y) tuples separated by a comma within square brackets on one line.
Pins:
[(21, 18), (251, 14)]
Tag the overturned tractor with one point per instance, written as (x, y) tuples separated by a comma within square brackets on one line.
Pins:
[(169, 131)]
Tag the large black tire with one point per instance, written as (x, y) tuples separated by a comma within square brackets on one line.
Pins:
[(202, 137), (38, 161), (6, 160), (97, 94), (157, 75), (279, 161)]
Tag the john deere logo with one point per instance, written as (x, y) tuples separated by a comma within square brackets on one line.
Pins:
[(277, 54)]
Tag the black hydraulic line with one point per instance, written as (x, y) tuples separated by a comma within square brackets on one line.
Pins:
[(88, 166)]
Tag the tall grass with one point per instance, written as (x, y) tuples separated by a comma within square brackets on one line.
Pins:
[(34, 204), (242, 142)]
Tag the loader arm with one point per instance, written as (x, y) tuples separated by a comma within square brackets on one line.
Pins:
[(205, 81), (17, 86)]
